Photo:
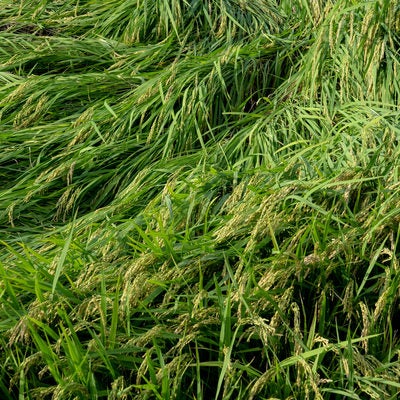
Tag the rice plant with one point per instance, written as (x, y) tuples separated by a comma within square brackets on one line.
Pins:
[(199, 199)]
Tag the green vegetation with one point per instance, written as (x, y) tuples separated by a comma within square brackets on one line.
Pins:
[(199, 199)]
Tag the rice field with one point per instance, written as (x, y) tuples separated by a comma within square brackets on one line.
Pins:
[(199, 199)]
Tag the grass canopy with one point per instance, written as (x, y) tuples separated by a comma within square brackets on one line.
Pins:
[(199, 199)]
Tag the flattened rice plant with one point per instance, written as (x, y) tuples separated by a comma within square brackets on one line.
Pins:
[(199, 199)]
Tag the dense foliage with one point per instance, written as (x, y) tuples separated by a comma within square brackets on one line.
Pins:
[(199, 199)]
